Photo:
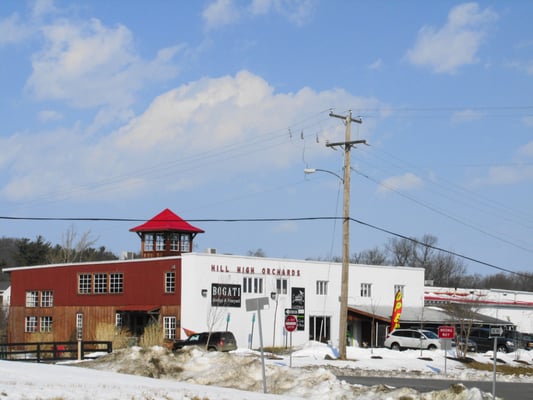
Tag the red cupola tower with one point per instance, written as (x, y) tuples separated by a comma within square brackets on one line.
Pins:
[(165, 235)]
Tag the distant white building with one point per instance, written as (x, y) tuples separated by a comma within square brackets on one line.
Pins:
[(215, 288), (515, 307)]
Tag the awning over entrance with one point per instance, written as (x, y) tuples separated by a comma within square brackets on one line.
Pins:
[(139, 308)]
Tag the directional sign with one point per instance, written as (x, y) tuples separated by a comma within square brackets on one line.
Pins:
[(496, 331), (291, 323), (446, 332)]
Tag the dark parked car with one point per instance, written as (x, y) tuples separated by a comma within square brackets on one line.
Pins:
[(485, 342), (521, 340), (218, 341), (471, 347)]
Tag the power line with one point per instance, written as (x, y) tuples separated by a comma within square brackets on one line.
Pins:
[(235, 220)]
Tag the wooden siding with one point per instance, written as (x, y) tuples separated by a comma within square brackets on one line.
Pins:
[(64, 322), (143, 285)]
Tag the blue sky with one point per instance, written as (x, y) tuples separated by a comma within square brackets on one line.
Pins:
[(115, 109)]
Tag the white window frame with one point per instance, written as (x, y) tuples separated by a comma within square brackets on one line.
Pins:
[(159, 242), (30, 324), (32, 298), (170, 282), (116, 282), (322, 288), (47, 298), (85, 283), (282, 285), (366, 290), (100, 283), (45, 325), (169, 327), (148, 242), (185, 242)]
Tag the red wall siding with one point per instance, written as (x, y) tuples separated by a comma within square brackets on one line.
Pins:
[(144, 283)]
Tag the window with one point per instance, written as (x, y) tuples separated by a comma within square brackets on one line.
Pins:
[(169, 327), (174, 242), (281, 286), (322, 288), (84, 283), (400, 288), (170, 282), (47, 298), (46, 324), (118, 320), (185, 240), (116, 282), (31, 324), (149, 242), (159, 242), (79, 326), (319, 328), (366, 290), (100, 283), (32, 298), (252, 285)]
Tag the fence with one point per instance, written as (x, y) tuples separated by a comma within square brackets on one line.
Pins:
[(52, 351)]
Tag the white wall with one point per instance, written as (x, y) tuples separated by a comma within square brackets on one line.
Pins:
[(200, 271)]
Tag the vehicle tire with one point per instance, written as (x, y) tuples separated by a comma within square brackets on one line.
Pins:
[(395, 346), (212, 348), (432, 347), (501, 349)]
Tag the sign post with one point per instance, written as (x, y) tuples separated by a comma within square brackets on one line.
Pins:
[(495, 331), (446, 334), (258, 304), (291, 323)]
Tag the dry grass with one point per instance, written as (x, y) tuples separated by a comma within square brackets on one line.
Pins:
[(152, 336), (500, 368), (109, 332)]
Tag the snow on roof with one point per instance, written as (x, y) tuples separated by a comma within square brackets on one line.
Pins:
[(166, 221)]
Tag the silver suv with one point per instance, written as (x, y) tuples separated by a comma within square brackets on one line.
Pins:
[(412, 339)]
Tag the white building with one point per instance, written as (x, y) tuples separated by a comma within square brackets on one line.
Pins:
[(215, 289), (514, 307)]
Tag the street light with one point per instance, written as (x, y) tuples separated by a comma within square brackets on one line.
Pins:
[(347, 145), (343, 317)]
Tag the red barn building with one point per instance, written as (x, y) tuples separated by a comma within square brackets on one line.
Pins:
[(53, 302)]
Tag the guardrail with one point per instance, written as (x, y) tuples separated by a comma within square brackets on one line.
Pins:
[(52, 351)]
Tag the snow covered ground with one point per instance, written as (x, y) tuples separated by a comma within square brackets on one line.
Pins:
[(156, 373)]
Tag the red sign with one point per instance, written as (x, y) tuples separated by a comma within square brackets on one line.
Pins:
[(446, 332), (291, 323)]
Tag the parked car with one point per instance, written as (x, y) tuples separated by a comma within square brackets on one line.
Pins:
[(521, 340), (470, 346), (218, 341), (485, 342), (412, 339)]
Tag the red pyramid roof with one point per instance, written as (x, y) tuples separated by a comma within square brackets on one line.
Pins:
[(166, 221)]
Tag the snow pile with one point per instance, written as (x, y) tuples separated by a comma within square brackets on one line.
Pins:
[(157, 373)]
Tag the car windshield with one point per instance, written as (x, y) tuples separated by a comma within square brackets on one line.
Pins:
[(430, 335)]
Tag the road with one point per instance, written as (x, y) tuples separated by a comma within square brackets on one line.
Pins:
[(506, 390)]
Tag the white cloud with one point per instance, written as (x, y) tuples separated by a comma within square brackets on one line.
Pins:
[(466, 116), (220, 13), (508, 175), (225, 12), (50, 115), (12, 30), (199, 132), (526, 150), (456, 44), (90, 65), (376, 65), (406, 181)]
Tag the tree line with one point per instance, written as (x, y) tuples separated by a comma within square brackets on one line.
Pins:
[(441, 269), (16, 252)]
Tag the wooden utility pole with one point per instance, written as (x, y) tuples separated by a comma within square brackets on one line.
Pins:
[(347, 145)]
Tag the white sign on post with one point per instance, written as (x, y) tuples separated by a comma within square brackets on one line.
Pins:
[(258, 304)]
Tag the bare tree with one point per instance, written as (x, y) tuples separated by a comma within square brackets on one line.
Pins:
[(373, 256), (72, 250), (402, 251)]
